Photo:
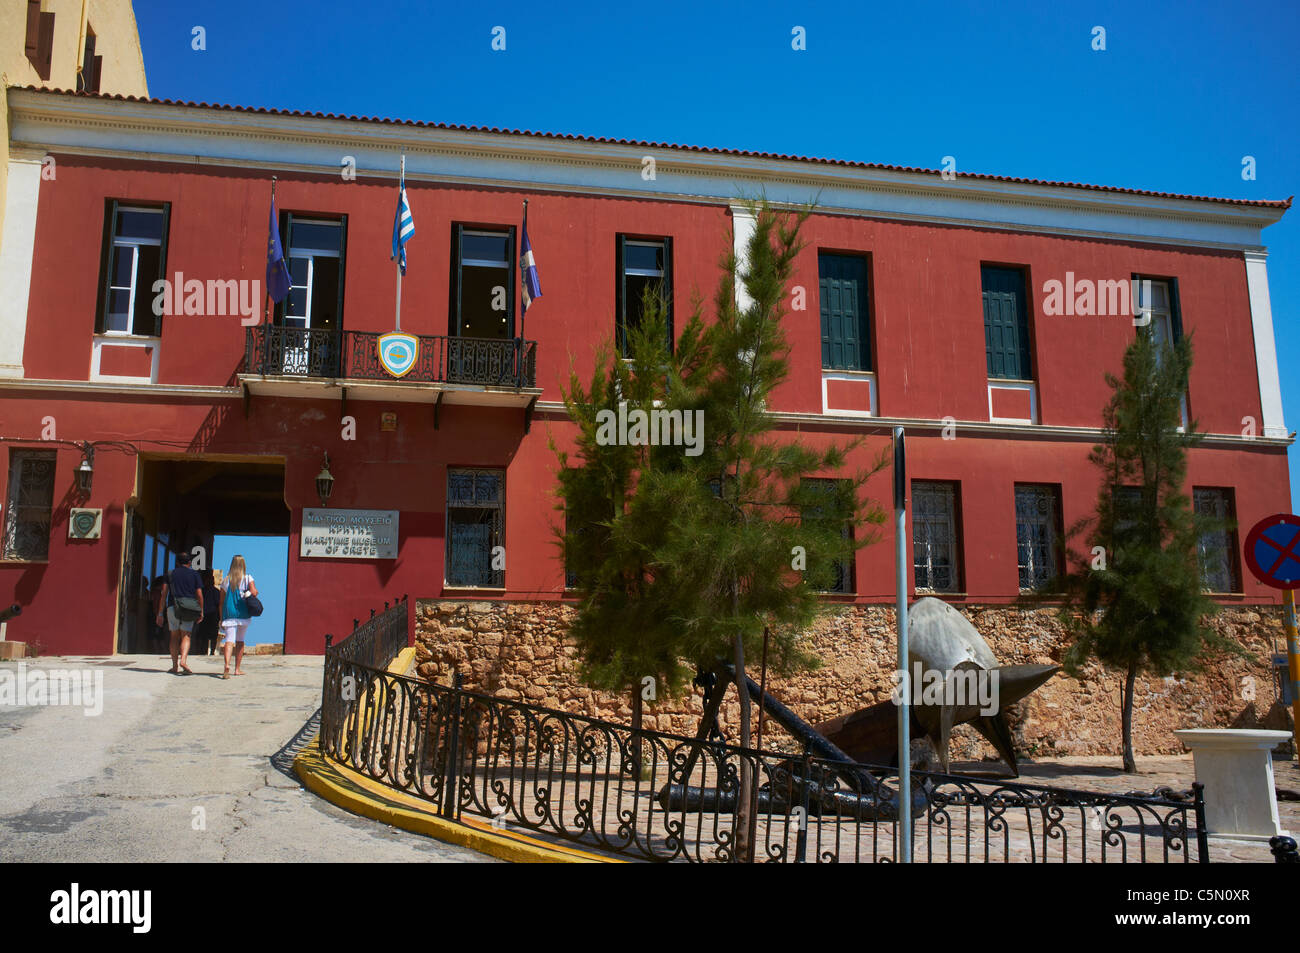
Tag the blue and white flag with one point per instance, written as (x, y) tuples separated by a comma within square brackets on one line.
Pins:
[(530, 287), (277, 272), (403, 226)]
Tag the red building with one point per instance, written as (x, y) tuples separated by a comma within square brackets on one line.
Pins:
[(921, 298)]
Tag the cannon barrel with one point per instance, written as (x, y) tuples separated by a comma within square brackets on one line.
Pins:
[(9, 613)]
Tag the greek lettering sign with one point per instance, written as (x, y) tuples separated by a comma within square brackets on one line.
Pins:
[(349, 534)]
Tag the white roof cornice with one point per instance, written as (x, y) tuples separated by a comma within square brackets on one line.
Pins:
[(153, 131)]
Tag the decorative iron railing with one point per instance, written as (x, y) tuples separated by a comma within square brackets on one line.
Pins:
[(662, 797), (302, 352)]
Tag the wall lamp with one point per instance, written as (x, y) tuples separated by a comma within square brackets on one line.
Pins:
[(86, 470), (325, 482)]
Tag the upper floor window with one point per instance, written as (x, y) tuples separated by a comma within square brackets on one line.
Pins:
[(29, 505), (91, 66), (1155, 307), (1216, 547), (483, 282), (645, 268), (934, 536), (476, 507), (842, 290), (39, 43), (1038, 511), (1006, 323), (315, 249), (135, 257)]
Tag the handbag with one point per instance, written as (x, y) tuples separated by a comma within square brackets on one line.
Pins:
[(188, 608), (253, 605)]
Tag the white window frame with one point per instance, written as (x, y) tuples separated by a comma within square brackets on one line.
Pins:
[(134, 244), (310, 254)]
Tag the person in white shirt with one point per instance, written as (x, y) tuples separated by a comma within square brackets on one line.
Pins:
[(235, 618)]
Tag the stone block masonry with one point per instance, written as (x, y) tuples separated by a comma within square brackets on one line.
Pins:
[(520, 650)]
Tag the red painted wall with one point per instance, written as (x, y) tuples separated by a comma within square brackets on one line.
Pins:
[(928, 351)]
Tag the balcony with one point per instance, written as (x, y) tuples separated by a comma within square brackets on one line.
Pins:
[(299, 362)]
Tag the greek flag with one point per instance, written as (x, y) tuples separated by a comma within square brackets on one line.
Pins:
[(403, 226), (530, 287)]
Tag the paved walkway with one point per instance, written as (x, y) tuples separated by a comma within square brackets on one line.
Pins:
[(179, 769)]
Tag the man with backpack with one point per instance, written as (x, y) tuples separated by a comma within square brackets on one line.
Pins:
[(183, 596)]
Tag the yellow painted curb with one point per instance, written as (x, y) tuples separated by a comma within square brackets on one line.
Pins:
[(359, 794)]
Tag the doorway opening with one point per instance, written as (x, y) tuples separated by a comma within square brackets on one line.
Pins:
[(186, 505)]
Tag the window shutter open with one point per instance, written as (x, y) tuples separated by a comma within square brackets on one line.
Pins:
[(33, 40), (620, 293), (106, 264), (667, 290), (343, 250), (162, 265), (457, 255), (45, 46)]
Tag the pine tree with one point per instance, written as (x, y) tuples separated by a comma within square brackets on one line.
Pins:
[(1136, 602), (683, 556)]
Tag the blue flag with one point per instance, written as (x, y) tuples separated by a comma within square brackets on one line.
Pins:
[(277, 272), (403, 226), (530, 287)]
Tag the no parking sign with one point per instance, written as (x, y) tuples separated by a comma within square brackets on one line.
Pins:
[(1273, 551)]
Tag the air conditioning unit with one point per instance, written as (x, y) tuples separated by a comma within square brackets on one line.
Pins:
[(85, 523)]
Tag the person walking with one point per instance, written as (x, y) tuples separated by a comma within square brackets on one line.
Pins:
[(182, 594), (205, 632), (235, 617)]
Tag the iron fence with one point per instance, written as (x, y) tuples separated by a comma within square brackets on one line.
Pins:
[(661, 797), (315, 353)]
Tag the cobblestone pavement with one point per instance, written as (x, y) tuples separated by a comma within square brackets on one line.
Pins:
[(179, 769)]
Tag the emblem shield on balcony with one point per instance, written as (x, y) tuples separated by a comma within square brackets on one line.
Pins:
[(398, 352)]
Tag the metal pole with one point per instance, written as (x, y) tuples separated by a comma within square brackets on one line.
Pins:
[(903, 823), (401, 189), (1293, 662)]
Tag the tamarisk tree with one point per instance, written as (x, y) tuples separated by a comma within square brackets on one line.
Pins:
[(690, 526), (1136, 602)]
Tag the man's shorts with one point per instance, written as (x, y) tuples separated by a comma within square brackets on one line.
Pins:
[(174, 623)]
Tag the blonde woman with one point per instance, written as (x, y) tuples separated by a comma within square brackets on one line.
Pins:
[(236, 587)]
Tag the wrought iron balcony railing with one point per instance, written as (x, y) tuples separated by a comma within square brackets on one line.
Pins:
[(309, 353)]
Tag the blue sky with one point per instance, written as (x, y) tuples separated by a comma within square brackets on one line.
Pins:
[(1182, 92)]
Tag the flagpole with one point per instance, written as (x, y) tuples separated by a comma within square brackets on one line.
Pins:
[(401, 188), (266, 301)]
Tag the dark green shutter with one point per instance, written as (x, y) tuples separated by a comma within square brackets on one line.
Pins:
[(343, 250), (1006, 324), (457, 251), (106, 264), (666, 290), (620, 294), (842, 294), (162, 265), (511, 259)]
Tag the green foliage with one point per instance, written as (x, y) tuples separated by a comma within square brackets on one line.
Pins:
[(676, 552), (1145, 609)]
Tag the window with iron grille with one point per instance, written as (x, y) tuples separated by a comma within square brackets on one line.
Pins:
[(934, 536), (476, 506), (843, 581), (1216, 547), (29, 505), (1037, 531)]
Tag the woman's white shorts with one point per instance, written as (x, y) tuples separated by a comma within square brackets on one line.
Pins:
[(232, 630)]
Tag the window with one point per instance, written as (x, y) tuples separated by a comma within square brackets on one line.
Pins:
[(1155, 301), (934, 536), (314, 252), (91, 66), (842, 291), (39, 43), (483, 283), (1217, 547), (135, 256), (645, 267), (475, 527), (1006, 323), (843, 579), (1037, 530), (30, 505)]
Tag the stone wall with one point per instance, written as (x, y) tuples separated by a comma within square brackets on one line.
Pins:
[(518, 650)]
